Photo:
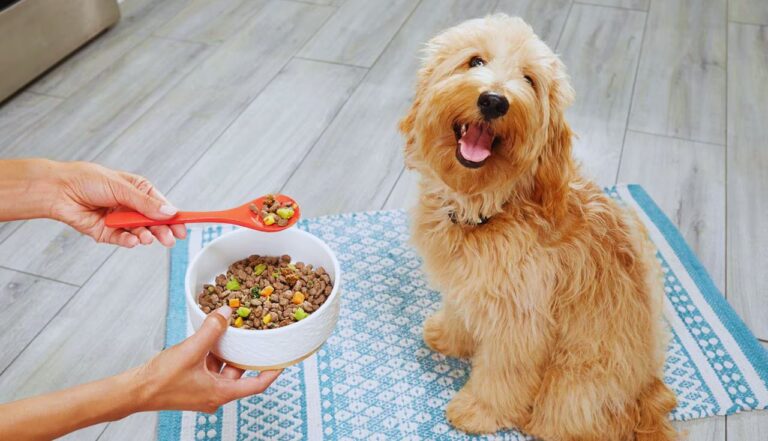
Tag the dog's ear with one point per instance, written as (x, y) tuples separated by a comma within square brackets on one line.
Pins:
[(408, 123), (556, 167)]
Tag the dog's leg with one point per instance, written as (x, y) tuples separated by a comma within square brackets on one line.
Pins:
[(445, 333), (583, 404), (500, 390)]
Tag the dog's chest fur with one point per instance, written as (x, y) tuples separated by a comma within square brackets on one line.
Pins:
[(495, 274)]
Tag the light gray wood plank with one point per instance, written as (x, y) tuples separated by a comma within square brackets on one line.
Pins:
[(54, 250), (264, 145), (405, 194), (748, 11), (171, 136), (604, 88), (360, 152), (641, 5), (7, 228), (358, 32), (139, 426), (124, 303), (687, 180), (28, 304), (547, 17), (707, 429), (21, 112), (138, 19), (680, 88), (748, 175), (86, 122), (187, 120), (210, 22), (748, 426)]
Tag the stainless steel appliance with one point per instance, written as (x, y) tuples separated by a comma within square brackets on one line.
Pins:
[(36, 34)]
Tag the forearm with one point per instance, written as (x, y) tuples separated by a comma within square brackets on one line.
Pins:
[(52, 415), (27, 188)]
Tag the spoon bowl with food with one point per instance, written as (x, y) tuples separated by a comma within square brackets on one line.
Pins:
[(269, 213)]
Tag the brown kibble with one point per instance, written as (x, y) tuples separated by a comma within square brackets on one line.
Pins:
[(285, 282)]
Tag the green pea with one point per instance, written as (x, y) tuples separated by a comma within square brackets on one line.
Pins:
[(255, 291), (243, 311), (259, 269), (300, 314), (285, 212), (233, 284)]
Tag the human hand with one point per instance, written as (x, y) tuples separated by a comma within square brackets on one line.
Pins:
[(188, 377), (86, 193)]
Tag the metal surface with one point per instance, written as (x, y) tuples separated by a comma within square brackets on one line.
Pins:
[(36, 34)]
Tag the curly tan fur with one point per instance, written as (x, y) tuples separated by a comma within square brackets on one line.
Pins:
[(558, 298)]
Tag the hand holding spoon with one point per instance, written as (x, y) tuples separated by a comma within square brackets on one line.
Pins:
[(247, 215)]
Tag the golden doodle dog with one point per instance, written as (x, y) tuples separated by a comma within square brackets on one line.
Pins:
[(551, 288)]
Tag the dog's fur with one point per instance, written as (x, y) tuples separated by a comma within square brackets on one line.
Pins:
[(557, 299)]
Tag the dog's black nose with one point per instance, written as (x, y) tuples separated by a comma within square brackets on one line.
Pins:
[(492, 105)]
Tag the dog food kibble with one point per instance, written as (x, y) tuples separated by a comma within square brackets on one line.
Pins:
[(267, 292), (272, 211)]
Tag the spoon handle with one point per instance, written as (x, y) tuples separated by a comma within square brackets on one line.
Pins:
[(133, 219)]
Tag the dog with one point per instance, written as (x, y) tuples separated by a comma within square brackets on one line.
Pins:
[(551, 288)]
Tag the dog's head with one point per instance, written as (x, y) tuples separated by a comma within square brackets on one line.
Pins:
[(488, 111)]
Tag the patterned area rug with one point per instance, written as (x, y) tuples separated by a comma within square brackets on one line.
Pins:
[(376, 380)]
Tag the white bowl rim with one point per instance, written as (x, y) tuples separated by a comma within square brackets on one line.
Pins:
[(293, 327)]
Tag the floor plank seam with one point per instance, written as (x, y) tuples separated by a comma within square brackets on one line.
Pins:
[(747, 23), (185, 40), (632, 96), (34, 92), (44, 327), (312, 4), (565, 24), (12, 231), (337, 63), (626, 8), (391, 190), (679, 138), (39, 276)]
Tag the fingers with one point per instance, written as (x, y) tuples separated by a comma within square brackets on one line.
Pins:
[(137, 193), (123, 239), (214, 326), (163, 235), (179, 231), (244, 387), (143, 234)]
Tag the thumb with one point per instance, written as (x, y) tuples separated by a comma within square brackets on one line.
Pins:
[(129, 196), (214, 326)]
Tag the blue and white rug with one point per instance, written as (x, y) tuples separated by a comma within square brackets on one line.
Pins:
[(376, 380)]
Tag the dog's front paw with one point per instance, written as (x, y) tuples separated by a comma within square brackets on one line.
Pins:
[(467, 414), (445, 340)]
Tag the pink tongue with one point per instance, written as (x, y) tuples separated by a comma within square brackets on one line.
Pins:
[(475, 145)]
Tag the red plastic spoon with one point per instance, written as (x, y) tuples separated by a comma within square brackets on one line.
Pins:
[(242, 216)]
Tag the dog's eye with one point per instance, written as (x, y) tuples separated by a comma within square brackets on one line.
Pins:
[(529, 80), (476, 61)]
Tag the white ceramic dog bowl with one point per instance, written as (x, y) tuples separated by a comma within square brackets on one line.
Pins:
[(269, 348)]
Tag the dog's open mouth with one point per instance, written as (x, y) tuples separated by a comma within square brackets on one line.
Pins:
[(475, 143)]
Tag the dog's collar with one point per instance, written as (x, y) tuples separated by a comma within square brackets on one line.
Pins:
[(483, 220)]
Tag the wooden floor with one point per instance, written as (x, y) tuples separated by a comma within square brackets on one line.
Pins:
[(216, 101)]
